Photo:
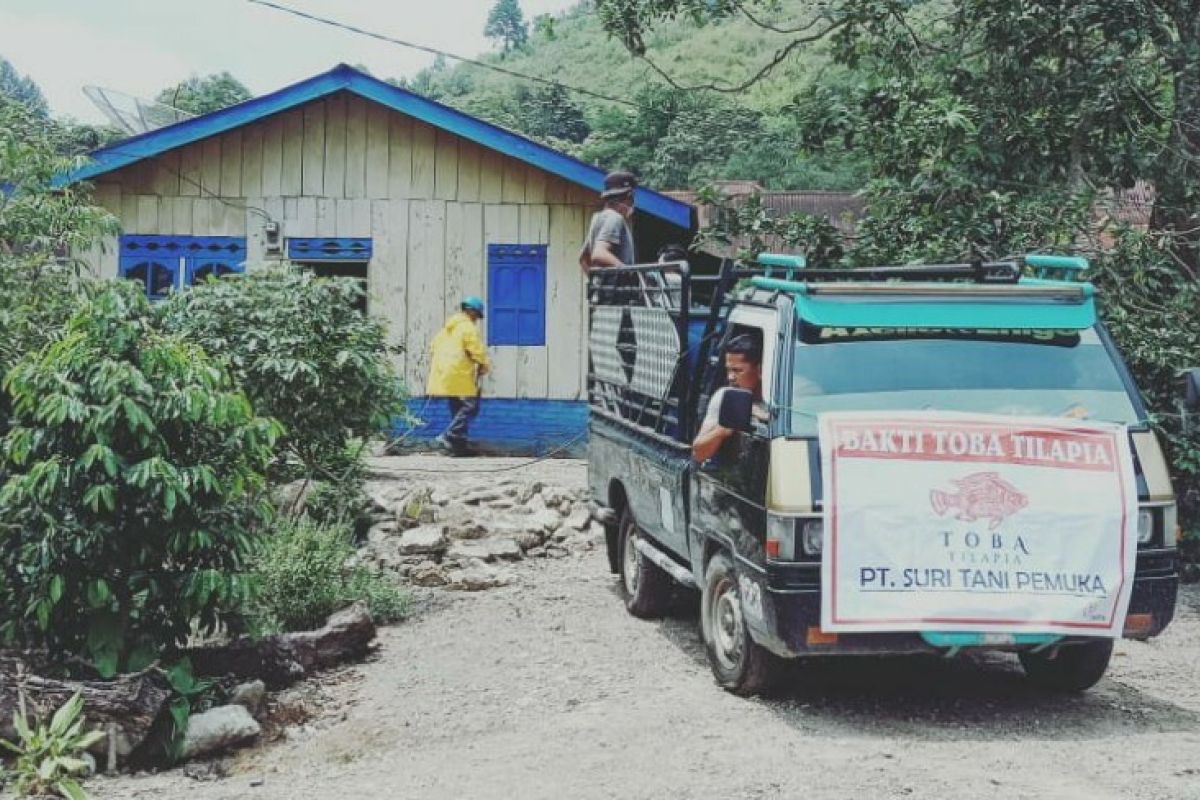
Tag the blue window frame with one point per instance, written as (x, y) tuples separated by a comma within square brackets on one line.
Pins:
[(516, 311), (168, 263), (326, 249)]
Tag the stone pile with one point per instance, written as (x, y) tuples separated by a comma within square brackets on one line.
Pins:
[(466, 539)]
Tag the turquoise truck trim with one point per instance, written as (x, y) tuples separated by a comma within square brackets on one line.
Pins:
[(972, 309), (1068, 265), (950, 639)]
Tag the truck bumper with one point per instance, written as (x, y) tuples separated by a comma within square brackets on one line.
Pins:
[(790, 625)]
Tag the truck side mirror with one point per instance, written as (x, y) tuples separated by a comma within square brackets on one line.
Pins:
[(737, 409), (1191, 389)]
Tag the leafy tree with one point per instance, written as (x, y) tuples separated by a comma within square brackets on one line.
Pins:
[(22, 89), (40, 227), (544, 27), (506, 25), (136, 477), (304, 355), (205, 94), (547, 113)]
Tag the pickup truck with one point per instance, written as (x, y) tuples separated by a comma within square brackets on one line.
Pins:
[(748, 534)]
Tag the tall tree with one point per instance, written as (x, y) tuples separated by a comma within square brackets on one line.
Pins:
[(205, 94), (506, 25), (21, 88)]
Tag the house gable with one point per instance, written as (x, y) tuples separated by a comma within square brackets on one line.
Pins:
[(359, 87)]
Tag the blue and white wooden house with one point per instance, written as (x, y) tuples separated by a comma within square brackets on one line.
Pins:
[(353, 176)]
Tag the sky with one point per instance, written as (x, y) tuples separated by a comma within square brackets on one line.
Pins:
[(142, 46)]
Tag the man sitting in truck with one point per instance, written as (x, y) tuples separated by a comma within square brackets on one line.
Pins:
[(743, 369)]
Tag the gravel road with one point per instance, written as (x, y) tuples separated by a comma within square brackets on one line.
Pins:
[(547, 689)]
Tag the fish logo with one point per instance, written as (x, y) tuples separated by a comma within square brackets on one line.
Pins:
[(984, 495)]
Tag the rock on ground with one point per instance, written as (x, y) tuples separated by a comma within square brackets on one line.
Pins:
[(217, 730)]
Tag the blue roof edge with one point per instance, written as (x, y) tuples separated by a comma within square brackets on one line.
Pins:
[(344, 77)]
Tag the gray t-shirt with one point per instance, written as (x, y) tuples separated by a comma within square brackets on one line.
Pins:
[(609, 226)]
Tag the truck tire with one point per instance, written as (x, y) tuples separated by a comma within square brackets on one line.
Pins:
[(645, 586), (739, 664), (1073, 668)]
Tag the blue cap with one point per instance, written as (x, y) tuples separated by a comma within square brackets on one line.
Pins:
[(473, 303)]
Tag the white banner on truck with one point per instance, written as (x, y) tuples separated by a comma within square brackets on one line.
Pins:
[(964, 522)]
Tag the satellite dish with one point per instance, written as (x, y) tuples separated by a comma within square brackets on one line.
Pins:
[(134, 115)]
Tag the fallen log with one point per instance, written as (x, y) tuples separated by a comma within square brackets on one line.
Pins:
[(285, 658), (128, 706)]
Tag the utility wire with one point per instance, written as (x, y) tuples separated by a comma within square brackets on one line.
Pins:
[(695, 120)]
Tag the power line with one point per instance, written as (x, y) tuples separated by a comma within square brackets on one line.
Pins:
[(435, 51), (696, 121)]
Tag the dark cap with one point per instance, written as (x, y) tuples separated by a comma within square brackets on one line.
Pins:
[(618, 184)]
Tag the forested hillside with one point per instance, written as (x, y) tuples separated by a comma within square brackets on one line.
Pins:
[(673, 139)]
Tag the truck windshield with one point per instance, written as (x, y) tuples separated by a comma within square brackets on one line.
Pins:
[(1029, 373)]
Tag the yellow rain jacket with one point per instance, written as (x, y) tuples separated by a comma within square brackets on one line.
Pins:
[(457, 352)]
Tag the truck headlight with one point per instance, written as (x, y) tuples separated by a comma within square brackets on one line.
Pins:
[(1145, 526), (781, 538), (812, 537)]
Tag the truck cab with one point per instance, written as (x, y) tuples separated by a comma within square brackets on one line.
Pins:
[(746, 528)]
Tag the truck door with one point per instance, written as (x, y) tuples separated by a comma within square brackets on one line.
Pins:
[(730, 489)]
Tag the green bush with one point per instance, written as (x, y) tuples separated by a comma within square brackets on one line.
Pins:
[(136, 483), (48, 758), (301, 577), (303, 354)]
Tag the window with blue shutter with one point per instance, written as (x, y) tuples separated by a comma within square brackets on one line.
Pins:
[(168, 263), (516, 302)]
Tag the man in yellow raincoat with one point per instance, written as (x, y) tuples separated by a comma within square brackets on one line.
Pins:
[(459, 361)]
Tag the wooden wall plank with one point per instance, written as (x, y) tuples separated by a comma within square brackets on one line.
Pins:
[(272, 156), (514, 181), (356, 146), (464, 254), (128, 215), (424, 154), (165, 179), (181, 216), (191, 159), (312, 153), (501, 225), (306, 217), (327, 216), (106, 252), (147, 213), (291, 181), (387, 275), (426, 270), (231, 164), (345, 218), (535, 185), (210, 166), (399, 156), (445, 171), (230, 217), (556, 190), (532, 365), (469, 158), (565, 325), (252, 224), (377, 150), (491, 177), (360, 218), (252, 161), (335, 145), (202, 219)]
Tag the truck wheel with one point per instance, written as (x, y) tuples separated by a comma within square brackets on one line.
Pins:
[(740, 665), (1073, 668), (646, 587)]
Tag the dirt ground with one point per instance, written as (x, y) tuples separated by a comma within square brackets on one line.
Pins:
[(546, 688)]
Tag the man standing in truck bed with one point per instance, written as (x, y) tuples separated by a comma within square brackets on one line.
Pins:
[(609, 240)]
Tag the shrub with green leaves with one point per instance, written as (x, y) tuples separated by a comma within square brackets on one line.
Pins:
[(49, 758), (136, 482), (301, 577), (303, 354)]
